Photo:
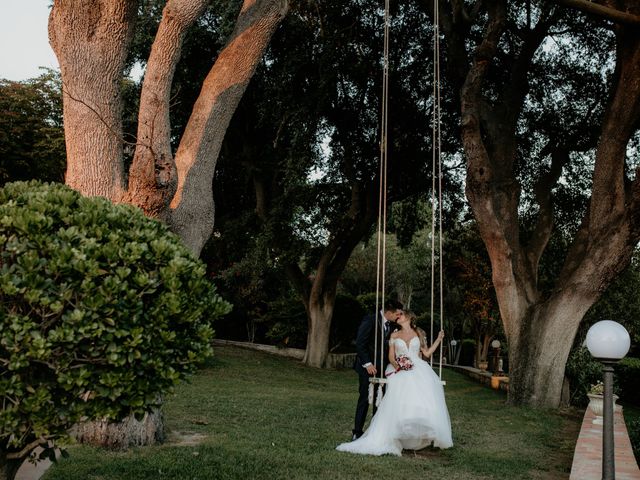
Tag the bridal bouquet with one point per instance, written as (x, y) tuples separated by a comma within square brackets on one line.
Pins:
[(404, 362)]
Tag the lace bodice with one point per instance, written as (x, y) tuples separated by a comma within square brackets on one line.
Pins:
[(411, 349)]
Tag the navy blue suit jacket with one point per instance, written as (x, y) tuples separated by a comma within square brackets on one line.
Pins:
[(366, 340)]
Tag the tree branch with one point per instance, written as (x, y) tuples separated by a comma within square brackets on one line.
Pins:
[(221, 92), (152, 175), (299, 282), (544, 222), (516, 90), (26, 450), (601, 11)]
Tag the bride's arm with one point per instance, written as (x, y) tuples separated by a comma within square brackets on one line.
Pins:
[(427, 352), (422, 336), (392, 354)]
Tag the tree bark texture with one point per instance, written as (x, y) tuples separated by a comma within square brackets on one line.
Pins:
[(540, 329), (152, 176), (118, 435), (91, 40), (192, 206), (320, 315)]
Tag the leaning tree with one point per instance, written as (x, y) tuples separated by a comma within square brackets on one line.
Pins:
[(495, 54), (92, 40)]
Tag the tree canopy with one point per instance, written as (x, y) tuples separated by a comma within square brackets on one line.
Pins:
[(31, 136)]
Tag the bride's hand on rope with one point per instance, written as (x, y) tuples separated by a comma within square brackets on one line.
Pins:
[(427, 352)]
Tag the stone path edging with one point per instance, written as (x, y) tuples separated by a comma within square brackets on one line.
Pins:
[(587, 457), (334, 360)]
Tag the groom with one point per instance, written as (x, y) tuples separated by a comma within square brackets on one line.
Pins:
[(366, 365)]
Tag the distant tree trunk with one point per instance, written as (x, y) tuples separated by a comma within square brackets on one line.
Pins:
[(482, 347), (91, 40), (405, 293), (539, 330), (318, 293), (320, 314)]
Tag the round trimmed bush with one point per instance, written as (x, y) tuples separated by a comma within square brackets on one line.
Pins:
[(103, 311)]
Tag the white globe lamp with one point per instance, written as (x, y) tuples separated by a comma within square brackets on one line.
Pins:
[(609, 342)]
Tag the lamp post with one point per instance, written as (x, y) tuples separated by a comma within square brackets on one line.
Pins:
[(453, 344), (496, 356), (608, 341)]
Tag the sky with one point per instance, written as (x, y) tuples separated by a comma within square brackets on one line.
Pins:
[(24, 41)]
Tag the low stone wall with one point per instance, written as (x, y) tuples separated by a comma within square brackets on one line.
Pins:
[(346, 360), (334, 360), (482, 376), (587, 457)]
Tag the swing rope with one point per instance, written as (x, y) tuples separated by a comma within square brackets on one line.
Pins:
[(382, 218), (436, 189), (382, 202)]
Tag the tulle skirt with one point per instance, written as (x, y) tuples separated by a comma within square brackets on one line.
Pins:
[(412, 414)]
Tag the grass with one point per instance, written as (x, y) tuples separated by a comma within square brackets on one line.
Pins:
[(266, 417), (632, 420)]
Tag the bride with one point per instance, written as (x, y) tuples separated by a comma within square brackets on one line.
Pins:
[(413, 412)]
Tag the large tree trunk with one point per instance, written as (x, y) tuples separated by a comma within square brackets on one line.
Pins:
[(128, 433), (538, 351), (540, 330), (91, 40), (602, 248)]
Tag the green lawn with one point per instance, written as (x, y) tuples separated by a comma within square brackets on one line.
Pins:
[(269, 417)]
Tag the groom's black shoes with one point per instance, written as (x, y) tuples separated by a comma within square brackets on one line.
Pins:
[(356, 436)]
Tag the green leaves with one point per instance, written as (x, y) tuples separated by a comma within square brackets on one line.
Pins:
[(103, 311)]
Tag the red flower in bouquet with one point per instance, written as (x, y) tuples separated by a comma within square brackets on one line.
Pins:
[(404, 362)]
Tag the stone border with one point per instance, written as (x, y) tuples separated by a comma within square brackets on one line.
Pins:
[(334, 360), (587, 457), (346, 360), (484, 377)]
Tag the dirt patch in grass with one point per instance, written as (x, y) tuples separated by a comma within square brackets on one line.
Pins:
[(185, 439), (428, 452)]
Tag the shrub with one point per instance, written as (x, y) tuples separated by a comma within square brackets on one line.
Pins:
[(103, 311), (582, 371), (627, 375), (633, 427), (368, 302), (286, 321)]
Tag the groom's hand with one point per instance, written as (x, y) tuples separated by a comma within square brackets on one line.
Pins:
[(371, 369)]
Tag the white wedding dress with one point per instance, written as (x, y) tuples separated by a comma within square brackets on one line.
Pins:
[(412, 413)]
